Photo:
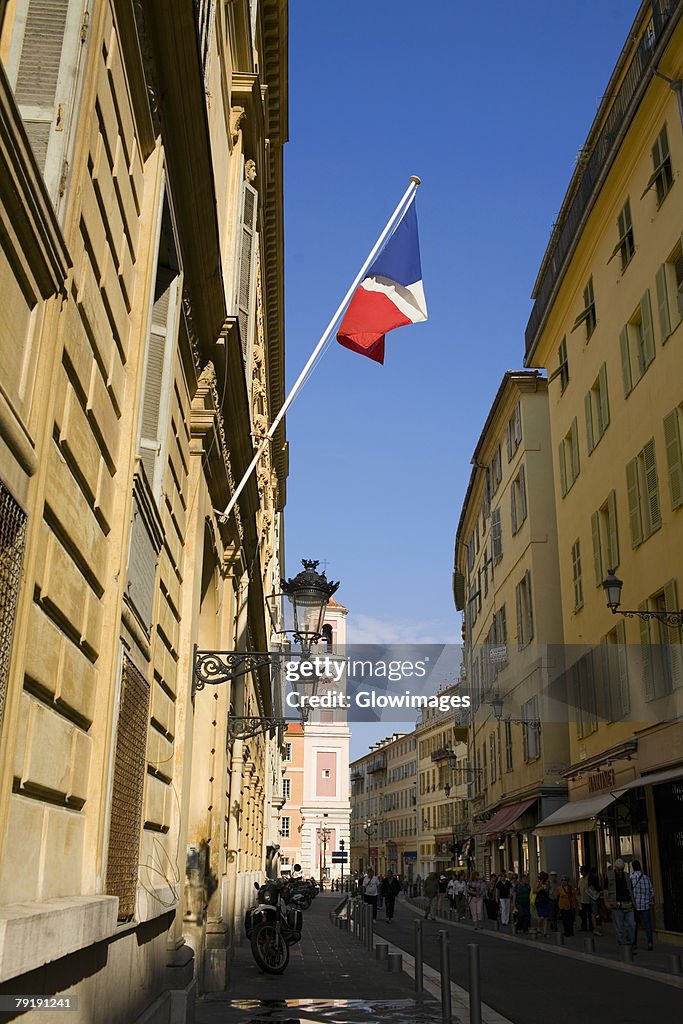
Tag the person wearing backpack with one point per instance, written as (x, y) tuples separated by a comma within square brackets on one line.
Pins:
[(542, 903)]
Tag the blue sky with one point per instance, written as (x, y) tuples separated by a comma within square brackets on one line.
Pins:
[(489, 104)]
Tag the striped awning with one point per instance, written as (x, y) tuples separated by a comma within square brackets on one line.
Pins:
[(503, 818)]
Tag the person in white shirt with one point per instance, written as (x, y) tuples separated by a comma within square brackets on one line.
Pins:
[(371, 890)]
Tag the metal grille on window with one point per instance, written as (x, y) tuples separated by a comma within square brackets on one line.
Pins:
[(12, 539), (129, 778)]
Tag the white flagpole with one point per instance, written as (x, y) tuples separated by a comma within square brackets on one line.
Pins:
[(407, 196)]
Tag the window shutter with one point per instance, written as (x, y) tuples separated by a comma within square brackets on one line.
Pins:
[(513, 506), (529, 610), (508, 439), (625, 360), (517, 419), (675, 649), (597, 549), (604, 399), (44, 85), (633, 492), (589, 421), (563, 468), (654, 514), (522, 492), (612, 532), (663, 304), (518, 605), (674, 457), (496, 535), (246, 263), (150, 434), (648, 333), (575, 450), (646, 656), (622, 664)]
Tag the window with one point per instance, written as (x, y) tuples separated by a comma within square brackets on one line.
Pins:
[(643, 494), (531, 733), (582, 679), (288, 752), (326, 773), (245, 267), (563, 365), (492, 754), (637, 344), (496, 470), (525, 619), (669, 282), (615, 668), (577, 576), (626, 245), (662, 649), (605, 538), (284, 827), (287, 789), (662, 176), (569, 458), (513, 431), (496, 536), (597, 409), (508, 746), (518, 500), (587, 315), (674, 456)]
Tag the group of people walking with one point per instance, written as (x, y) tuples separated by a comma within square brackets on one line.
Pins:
[(510, 898), (380, 891)]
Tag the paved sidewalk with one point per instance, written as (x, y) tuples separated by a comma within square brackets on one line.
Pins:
[(331, 977)]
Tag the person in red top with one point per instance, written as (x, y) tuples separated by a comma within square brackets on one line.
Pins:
[(566, 897)]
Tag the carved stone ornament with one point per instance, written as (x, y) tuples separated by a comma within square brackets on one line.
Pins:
[(236, 118), (250, 171)]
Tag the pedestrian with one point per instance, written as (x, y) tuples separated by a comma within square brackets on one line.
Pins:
[(567, 902), (620, 903), (491, 899), (542, 902), (461, 896), (553, 892), (522, 902), (450, 892), (371, 890), (476, 890), (504, 891), (644, 901), (595, 895), (390, 889), (431, 891), (585, 902)]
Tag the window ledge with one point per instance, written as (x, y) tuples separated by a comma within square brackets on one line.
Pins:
[(36, 933)]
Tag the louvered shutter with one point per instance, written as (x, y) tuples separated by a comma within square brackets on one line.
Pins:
[(563, 468), (588, 403), (150, 439), (647, 661), (663, 304), (518, 605), (633, 492), (674, 636), (508, 439), (529, 609), (648, 333), (622, 664), (674, 457), (246, 263), (652, 508), (517, 419), (522, 493), (625, 360), (604, 400), (43, 72), (597, 549), (513, 507), (612, 532), (575, 450)]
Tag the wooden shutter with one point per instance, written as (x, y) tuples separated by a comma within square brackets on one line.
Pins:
[(647, 661), (522, 493), (513, 506), (663, 304), (576, 575), (246, 263), (633, 492), (518, 605), (508, 439), (496, 535), (622, 668), (150, 431), (575, 450), (612, 532), (588, 403), (675, 649), (648, 333), (652, 508), (43, 71), (517, 421), (529, 610), (674, 457), (626, 360), (604, 399), (597, 549), (563, 468)]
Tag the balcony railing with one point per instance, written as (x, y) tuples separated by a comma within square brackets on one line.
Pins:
[(598, 162), (378, 764)]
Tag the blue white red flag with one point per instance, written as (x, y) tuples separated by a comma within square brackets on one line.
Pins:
[(390, 295)]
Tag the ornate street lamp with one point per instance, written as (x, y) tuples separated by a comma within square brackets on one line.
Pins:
[(612, 586), (309, 593), (370, 828), (497, 704)]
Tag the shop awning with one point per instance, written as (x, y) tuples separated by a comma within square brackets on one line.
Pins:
[(503, 818), (653, 779), (575, 816)]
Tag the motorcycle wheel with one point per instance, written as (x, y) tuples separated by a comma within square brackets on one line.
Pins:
[(269, 948), (305, 904)]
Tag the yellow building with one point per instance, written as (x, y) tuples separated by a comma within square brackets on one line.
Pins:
[(606, 324), (398, 850), (506, 570), (141, 346)]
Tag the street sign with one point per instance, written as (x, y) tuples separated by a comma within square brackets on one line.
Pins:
[(340, 858), (498, 654)]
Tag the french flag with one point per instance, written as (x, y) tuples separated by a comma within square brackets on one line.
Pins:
[(389, 296)]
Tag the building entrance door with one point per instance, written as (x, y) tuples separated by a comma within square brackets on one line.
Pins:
[(669, 808)]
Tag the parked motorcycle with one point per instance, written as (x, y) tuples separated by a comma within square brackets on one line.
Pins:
[(272, 927)]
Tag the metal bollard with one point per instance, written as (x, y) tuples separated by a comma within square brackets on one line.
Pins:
[(475, 982), (395, 963), (445, 969), (627, 954), (674, 963), (559, 939), (589, 944), (382, 950), (419, 957), (370, 934)]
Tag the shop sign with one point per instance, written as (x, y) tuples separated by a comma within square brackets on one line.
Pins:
[(600, 781)]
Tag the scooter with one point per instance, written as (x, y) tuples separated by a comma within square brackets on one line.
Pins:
[(272, 928)]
